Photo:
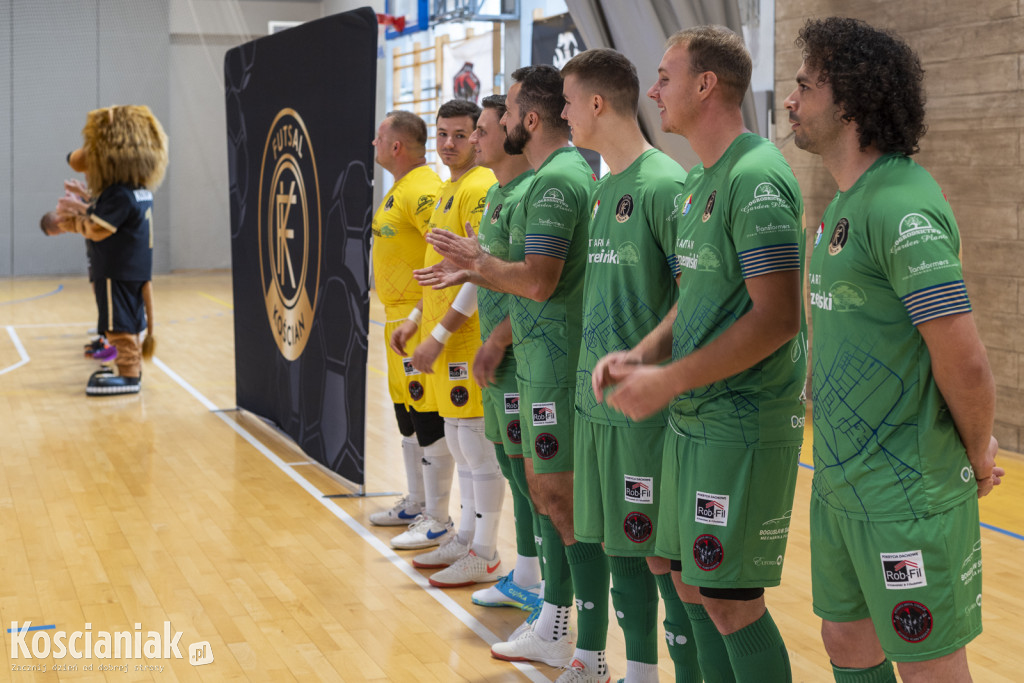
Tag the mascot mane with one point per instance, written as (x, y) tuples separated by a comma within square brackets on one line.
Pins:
[(124, 144)]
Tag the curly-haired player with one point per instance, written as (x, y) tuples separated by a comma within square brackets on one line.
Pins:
[(903, 395)]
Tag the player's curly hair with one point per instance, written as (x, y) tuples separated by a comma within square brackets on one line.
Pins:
[(876, 79)]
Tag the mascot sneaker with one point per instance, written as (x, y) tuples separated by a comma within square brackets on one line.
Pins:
[(444, 555), (401, 513), (103, 383), (527, 646), (95, 345), (466, 571), (425, 532), (508, 593)]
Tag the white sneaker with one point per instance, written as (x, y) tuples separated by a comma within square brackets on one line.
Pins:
[(577, 672), (528, 646), (400, 514), (450, 550), (467, 570), (425, 532), (508, 593)]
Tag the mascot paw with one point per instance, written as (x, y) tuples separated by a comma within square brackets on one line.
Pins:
[(105, 384)]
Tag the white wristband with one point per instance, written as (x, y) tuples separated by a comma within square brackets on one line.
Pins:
[(440, 333), (416, 316)]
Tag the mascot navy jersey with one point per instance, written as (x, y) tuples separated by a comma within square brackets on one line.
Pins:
[(128, 253)]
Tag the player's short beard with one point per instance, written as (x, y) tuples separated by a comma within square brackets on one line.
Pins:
[(516, 138)]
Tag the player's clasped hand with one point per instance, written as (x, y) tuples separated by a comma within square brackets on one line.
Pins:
[(640, 391), (996, 474), (441, 275), (463, 252)]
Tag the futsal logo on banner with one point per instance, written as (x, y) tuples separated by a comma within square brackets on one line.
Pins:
[(290, 233)]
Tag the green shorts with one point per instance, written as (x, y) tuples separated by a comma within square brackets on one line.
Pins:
[(501, 413), (918, 580), (616, 486), (547, 420), (725, 512)]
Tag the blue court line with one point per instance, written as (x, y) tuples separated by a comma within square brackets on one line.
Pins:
[(34, 628), (374, 322), (990, 527), (33, 298)]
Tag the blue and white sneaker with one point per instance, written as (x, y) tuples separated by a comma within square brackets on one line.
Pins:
[(508, 593), (425, 532), (402, 513)]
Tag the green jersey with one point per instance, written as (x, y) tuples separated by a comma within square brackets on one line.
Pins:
[(742, 219), (630, 282), (885, 259), (551, 220), (493, 236)]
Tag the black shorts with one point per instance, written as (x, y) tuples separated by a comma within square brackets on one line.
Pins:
[(121, 307)]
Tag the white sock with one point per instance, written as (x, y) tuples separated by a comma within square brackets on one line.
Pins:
[(527, 571), (438, 466), (553, 622), (468, 514), (489, 494), (412, 454), (641, 672)]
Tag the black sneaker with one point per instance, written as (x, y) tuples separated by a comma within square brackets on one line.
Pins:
[(106, 384)]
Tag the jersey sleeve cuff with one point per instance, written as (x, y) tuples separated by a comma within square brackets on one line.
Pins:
[(548, 245), (773, 259), (937, 301)]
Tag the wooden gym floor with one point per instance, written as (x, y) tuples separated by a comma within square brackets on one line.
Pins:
[(170, 506)]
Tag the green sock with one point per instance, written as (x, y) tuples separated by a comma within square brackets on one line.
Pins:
[(522, 508), (757, 652), (635, 597), (883, 673), (711, 652), (589, 567), (555, 566), (678, 632)]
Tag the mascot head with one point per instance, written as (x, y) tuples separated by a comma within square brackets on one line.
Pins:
[(122, 144)]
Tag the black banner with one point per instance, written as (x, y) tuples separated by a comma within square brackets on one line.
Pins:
[(555, 42), (300, 107)]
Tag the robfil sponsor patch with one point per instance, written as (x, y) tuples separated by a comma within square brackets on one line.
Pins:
[(712, 508), (511, 404), (544, 414), (458, 371), (903, 570), (639, 489)]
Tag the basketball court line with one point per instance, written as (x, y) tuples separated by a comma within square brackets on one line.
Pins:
[(454, 608), (22, 354)]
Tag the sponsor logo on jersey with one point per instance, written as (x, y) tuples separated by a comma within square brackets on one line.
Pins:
[(409, 369), (544, 414), (797, 421), (966, 474), (390, 202), (638, 527), (639, 490), (818, 233), (776, 529), (514, 432), (711, 508), (290, 233), (928, 266), (448, 206), (495, 214), (143, 195), (458, 371), (480, 207), (709, 207), (415, 390), (624, 209), (423, 202), (768, 561), (708, 552), (822, 301), (511, 404), (552, 198), (593, 214), (546, 446), (916, 229), (840, 234), (709, 259), (688, 205), (846, 296), (912, 621), (903, 570), (459, 396), (766, 196)]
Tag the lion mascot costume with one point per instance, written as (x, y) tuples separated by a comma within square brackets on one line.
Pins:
[(124, 157)]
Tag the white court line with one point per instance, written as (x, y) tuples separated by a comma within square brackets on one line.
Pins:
[(439, 595), (21, 351)]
